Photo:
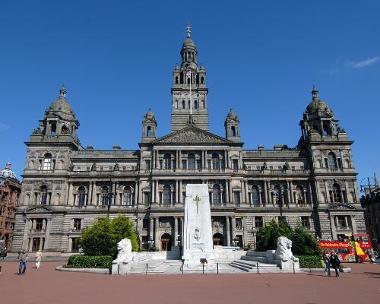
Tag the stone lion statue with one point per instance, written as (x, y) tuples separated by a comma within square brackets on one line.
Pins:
[(124, 248), (284, 250)]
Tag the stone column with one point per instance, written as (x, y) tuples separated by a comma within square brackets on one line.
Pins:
[(228, 232), (246, 192), (310, 195), (290, 187), (227, 192), (151, 228), (230, 191), (70, 195), (47, 233), (93, 195), (233, 227), (180, 192), (157, 201), (266, 193), (156, 240), (176, 192), (175, 231), (260, 197)]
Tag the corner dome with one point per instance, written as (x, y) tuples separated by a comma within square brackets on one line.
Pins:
[(7, 172), (62, 106), (232, 115), (317, 105)]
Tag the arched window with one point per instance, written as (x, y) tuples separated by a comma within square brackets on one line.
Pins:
[(331, 160), (233, 131), (47, 163), (167, 161), (216, 195), (148, 131), (64, 130), (337, 194), (105, 196), (196, 104), (166, 195), (81, 196), (53, 129), (299, 197), (255, 196), (44, 195), (202, 80), (191, 162), (215, 161), (277, 195), (128, 196), (183, 104), (176, 80)]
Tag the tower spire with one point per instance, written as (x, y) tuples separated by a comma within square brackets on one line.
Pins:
[(188, 30), (62, 92)]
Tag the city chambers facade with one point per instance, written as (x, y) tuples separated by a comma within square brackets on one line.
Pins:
[(67, 187)]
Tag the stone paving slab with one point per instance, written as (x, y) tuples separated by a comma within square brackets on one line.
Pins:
[(55, 287)]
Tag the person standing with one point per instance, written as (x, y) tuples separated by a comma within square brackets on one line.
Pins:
[(326, 262), (38, 259), (23, 258), (335, 262)]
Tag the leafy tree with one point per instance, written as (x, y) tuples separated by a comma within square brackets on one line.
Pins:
[(303, 242), (101, 238), (266, 238)]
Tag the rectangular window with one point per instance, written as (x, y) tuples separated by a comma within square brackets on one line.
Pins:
[(305, 222), (184, 164), (145, 223), (147, 164), (239, 223), (259, 222), (39, 224), (146, 198), (237, 198), (77, 224), (235, 164)]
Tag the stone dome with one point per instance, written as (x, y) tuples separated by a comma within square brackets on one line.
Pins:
[(62, 106), (149, 115), (188, 43), (317, 105), (232, 115)]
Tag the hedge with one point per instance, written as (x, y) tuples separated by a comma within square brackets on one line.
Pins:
[(310, 261), (84, 261)]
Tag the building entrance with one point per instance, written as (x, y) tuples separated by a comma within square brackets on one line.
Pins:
[(218, 239), (166, 242)]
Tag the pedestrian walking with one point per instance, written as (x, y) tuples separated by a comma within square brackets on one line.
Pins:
[(326, 262), (38, 259), (23, 258), (335, 262)]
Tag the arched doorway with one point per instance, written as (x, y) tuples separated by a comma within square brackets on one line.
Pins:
[(166, 242), (218, 239)]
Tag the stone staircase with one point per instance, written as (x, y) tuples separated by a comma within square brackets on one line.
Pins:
[(255, 262), (255, 267)]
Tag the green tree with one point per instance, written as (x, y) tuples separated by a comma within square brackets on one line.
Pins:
[(266, 238), (304, 243), (101, 238)]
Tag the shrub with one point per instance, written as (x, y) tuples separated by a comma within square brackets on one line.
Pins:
[(310, 261), (101, 239), (83, 261), (304, 243)]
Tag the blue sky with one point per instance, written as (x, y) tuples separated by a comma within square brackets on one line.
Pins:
[(262, 58)]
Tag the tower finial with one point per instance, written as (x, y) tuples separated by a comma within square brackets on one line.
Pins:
[(62, 92), (188, 30), (314, 92)]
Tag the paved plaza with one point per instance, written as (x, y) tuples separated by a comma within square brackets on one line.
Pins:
[(50, 286)]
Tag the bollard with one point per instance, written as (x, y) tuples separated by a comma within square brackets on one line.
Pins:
[(217, 268), (203, 268), (146, 269), (257, 266), (310, 269), (294, 271), (118, 268)]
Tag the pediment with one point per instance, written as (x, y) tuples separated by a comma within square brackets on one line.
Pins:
[(39, 209), (192, 135)]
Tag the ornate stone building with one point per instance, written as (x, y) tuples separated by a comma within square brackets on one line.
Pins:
[(66, 187), (10, 189)]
